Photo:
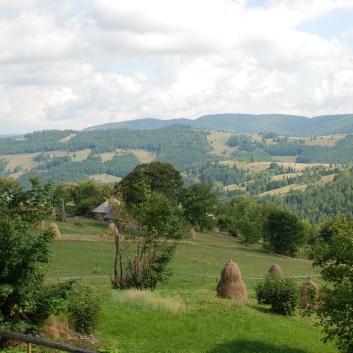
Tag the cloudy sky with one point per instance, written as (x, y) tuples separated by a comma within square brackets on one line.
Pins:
[(77, 63)]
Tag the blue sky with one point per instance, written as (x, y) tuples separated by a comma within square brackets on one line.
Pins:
[(77, 63)]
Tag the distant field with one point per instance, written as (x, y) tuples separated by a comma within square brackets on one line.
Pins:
[(26, 160), (143, 156), (16, 160), (284, 190), (281, 176), (256, 166), (107, 156), (105, 178), (218, 142), (65, 139), (326, 141)]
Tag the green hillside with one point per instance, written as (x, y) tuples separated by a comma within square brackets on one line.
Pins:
[(186, 309)]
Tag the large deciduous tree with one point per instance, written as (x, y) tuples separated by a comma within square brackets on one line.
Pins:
[(158, 176), (333, 254), (242, 217), (284, 232), (200, 204)]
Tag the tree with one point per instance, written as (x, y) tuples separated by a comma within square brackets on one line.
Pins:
[(88, 195), (200, 204), (24, 252), (64, 195), (335, 299), (158, 220), (284, 232), (158, 176), (242, 216)]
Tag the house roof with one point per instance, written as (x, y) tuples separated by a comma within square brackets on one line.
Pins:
[(105, 207)]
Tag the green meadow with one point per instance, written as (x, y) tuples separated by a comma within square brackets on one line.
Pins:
[(184, 315)]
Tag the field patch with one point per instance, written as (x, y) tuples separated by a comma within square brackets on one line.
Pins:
[(105, 178), (218, 140), (68, 138), (285, 189)]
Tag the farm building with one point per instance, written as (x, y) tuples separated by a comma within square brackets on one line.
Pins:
[(104, 212)]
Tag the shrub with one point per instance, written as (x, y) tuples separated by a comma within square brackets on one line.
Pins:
[(280, 292), (83, 310)]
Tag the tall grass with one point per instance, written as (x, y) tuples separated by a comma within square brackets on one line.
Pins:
[(146, 300)]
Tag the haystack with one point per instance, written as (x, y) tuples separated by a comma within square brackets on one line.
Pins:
[(307, 294), (275, 269), (56, 230), (231, 285), (192, 233), (112, 227), (113, 230)]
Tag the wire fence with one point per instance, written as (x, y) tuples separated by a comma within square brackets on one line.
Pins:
[(192, 277)]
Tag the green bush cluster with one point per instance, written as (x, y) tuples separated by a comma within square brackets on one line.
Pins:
[(83, 310), (280, 292)]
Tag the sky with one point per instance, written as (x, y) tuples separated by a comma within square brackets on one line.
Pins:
[(71, 64)]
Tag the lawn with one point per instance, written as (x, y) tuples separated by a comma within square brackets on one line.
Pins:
[(184, 315)]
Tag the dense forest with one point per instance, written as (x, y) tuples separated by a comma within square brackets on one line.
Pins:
[(319, 202)]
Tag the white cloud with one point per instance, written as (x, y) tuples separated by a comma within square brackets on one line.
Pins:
[(81, 63)]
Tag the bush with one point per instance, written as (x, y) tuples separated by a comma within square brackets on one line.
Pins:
[(280, 292), (83, 310)]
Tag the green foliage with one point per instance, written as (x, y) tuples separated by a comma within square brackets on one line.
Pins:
[(238, 140), (334, 255), (200, 204), (83, 309), (284, 232), (216, 172), (121, 165), (157, 176), (24, 252), (281, 292), (242, 217), (319, 202), (52, 299), (157, 216), (3, 164)]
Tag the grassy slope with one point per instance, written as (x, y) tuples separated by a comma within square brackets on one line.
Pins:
[(185, 315)]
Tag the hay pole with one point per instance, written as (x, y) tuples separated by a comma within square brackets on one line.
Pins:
[(41, 342)]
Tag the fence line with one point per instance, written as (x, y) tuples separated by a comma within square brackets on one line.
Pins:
[(179, 275), (80, 278)]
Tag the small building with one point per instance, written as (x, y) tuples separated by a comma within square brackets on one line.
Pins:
[(104, 212)]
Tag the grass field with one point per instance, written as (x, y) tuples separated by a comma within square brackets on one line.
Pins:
[(184, 315)]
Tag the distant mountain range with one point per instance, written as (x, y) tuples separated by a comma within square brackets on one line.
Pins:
[(249, 123)]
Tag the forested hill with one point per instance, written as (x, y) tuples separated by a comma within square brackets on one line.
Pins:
[(179, 145), (248, 123), (319, 202)]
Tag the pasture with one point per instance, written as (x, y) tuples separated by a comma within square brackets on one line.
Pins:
[(184, 315)]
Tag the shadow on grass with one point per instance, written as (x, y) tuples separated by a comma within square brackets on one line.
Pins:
[(249, 346), (260, 308)]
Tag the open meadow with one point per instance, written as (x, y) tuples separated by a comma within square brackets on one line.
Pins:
[(184, 315)]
